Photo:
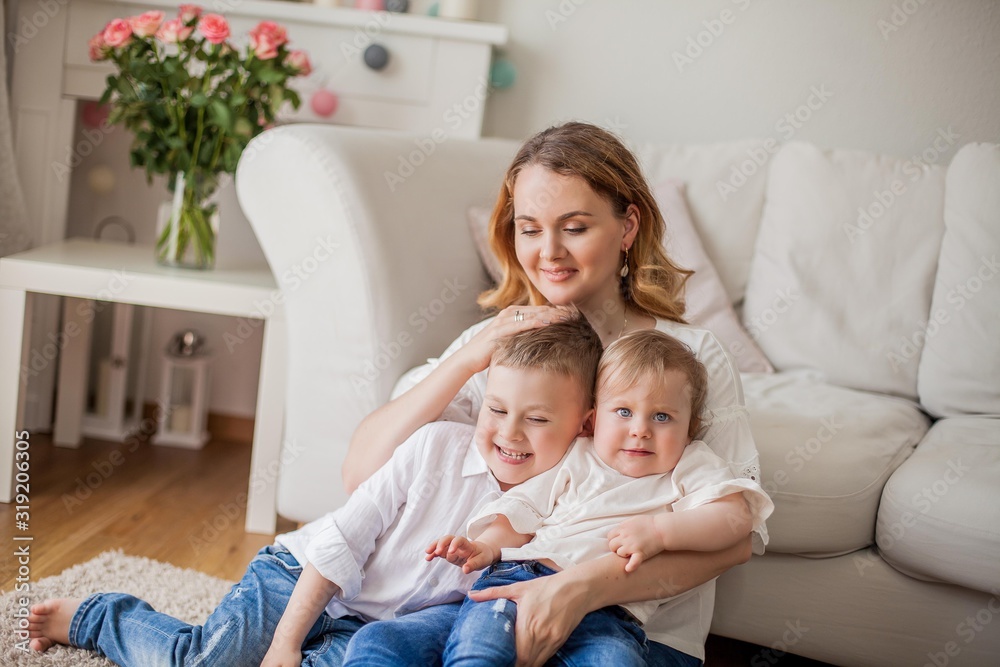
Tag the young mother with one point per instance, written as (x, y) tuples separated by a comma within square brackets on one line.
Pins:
[(575, 224)]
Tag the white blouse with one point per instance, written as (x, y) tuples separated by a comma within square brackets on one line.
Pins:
[(681, 622)]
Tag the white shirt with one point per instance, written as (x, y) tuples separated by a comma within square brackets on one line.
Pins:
[(373, 546), (571, 513), (683, 621)]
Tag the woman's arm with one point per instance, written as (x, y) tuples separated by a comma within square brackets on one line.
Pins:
[(550, 608), (383, 430)]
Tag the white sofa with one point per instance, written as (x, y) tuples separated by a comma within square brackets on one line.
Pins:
[(869, 282)]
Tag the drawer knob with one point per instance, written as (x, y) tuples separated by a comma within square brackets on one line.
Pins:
[(376, 57)]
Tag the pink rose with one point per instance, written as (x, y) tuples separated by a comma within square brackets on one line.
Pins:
[(174, 31), (97, 47), (299, 61), (275, 33), (117, 33), (215, 28), (188, 13), (146, 24), (263, 47)]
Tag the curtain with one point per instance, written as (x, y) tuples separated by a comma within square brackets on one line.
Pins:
[(14, 230)]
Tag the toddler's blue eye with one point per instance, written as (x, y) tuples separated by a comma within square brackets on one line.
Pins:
[(623, 412), (661, 417)]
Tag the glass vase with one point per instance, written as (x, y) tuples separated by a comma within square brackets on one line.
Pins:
[(188, 224)]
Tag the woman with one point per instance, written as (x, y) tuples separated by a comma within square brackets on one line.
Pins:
[(575, 224)]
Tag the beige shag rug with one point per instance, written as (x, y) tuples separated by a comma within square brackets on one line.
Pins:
[(186, 594)]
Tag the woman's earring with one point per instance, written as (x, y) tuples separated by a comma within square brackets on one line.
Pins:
[(624, 272)]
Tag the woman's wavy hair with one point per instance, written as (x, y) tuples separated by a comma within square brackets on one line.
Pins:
[(655, 285)]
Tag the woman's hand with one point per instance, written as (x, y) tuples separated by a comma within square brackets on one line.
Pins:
[(548, 610), (477, 352)]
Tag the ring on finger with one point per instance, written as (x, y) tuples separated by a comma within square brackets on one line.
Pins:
[(518, 316)]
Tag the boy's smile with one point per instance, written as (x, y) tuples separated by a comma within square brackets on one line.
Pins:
[(528, 421)]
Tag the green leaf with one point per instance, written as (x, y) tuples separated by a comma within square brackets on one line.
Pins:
[(199, 100), (219, 114)]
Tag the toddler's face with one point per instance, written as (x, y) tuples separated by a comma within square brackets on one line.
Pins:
[(528, 421), (643, 429)]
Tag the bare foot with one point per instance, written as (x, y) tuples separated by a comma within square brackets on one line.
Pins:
[(48, 622)]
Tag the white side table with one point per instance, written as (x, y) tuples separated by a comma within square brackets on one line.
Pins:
[(114, 272)]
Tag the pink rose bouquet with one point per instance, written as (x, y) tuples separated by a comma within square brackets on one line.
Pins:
[(192, 99)]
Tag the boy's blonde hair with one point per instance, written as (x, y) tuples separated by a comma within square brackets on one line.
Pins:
[(649, 354), (569, 348)]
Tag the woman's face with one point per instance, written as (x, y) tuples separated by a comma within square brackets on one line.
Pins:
[(568, 239)]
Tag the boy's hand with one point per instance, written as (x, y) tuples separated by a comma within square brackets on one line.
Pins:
[(637, 539), (282, 656), (461, 551)]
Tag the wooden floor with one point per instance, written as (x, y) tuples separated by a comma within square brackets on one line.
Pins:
[(176, 506)]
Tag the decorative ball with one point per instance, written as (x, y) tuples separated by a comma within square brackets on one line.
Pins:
[(502, 73), (370, 5), (434, 9), (398, 6), (93, 114), (324, 103), (101, 179), (376, 57)]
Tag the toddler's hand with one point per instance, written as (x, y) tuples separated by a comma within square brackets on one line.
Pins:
[(636, 539), (461, 551)]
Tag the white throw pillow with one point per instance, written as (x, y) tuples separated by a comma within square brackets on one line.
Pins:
[(960, 363), (844, 265), (707, 303)]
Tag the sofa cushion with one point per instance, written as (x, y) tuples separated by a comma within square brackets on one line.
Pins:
[(939, 518), (825, 454), (844, 265), (706, 301), (725, 194), (960, 362)]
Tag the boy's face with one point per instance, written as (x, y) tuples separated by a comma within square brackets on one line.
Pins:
[(528, 421), (643, 430)]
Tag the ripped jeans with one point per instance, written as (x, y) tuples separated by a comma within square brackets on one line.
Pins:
[(128, 631), (484, 631)]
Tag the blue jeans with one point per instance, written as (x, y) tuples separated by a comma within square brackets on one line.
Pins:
[(129, 632), (484, 631), (414, 640)]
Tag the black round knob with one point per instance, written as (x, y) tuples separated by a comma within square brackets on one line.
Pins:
[(398, 6), (376, 56)]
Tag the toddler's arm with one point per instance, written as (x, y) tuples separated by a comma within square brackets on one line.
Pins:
[(483, 552), (714, 526), (311, 595)]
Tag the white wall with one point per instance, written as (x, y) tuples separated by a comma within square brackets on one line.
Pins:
[(612, 62)]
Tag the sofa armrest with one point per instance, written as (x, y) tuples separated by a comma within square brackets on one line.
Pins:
[(366, 235)]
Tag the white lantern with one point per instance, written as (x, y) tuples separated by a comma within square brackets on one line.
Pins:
[(117, 373), (183, 405)]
